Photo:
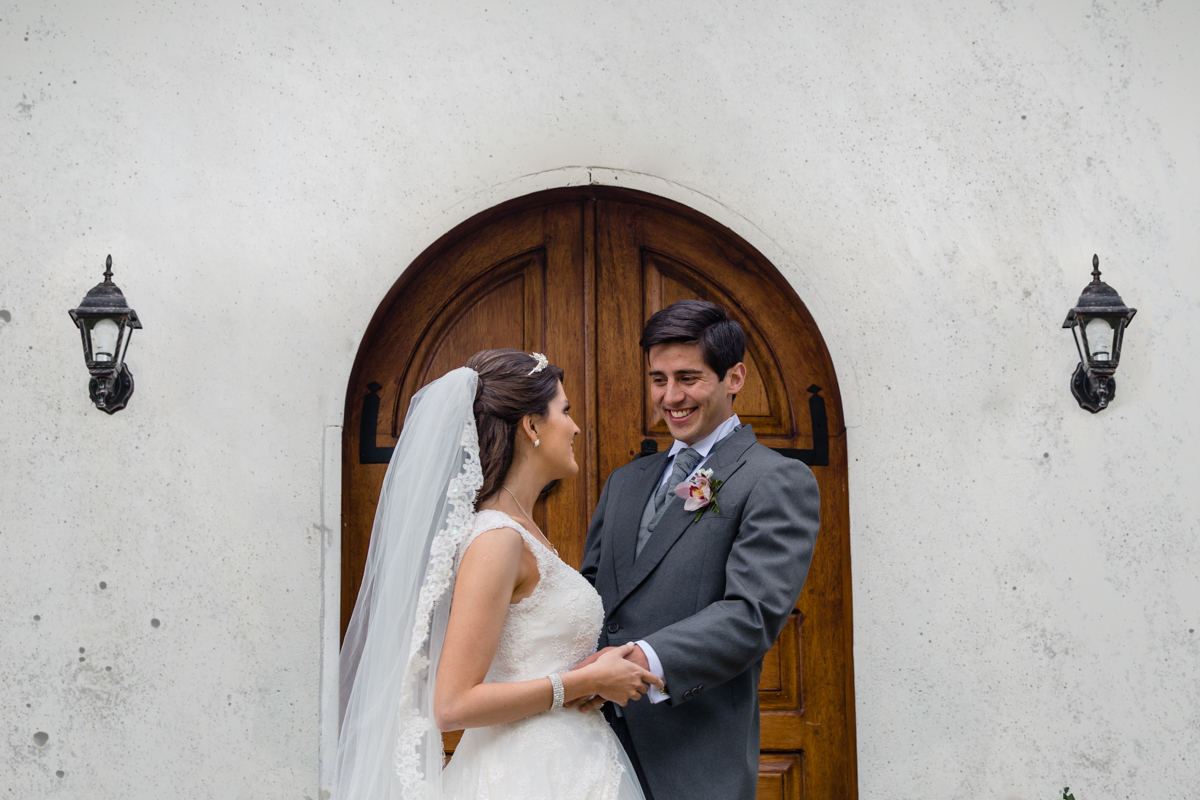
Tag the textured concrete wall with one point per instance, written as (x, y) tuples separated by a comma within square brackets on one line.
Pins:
[(933, 177)]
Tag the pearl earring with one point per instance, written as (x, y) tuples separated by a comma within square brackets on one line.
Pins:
[(536, 442)]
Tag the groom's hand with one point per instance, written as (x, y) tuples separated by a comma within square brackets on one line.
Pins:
[(591, 704), (586, 703), (635, 655), (638, 657)]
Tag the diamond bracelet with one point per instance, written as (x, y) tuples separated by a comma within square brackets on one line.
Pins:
[(559, 693)]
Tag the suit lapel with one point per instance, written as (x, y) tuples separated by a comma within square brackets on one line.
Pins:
[(641, 481), (724, 462)]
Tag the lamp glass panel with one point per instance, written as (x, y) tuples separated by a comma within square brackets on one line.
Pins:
[(1100, 339), (1077, 332), (105, 334), (126, 331)]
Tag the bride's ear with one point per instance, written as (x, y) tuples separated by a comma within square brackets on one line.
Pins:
[(529, 430)]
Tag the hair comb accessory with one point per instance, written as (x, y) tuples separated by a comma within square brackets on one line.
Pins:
[(542, 363)]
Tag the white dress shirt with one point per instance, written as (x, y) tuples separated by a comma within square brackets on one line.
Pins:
[(704, 448)]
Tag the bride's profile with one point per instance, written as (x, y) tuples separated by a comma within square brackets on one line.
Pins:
[(468, 619)]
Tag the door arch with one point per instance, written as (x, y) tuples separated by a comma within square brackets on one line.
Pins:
[(574, 273)]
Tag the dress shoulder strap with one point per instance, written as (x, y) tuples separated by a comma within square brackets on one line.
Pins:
[(489, 520)]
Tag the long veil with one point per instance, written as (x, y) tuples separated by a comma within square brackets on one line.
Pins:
[(389, 747)]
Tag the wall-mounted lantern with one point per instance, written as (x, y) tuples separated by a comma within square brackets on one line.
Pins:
[(1098, 321), (105, 323)]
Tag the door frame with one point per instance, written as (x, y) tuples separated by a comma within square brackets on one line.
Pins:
[(450, 225)]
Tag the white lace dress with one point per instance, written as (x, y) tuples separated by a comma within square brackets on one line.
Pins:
[(555, 755)]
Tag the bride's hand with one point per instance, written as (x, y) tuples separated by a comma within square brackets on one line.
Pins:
[(618, 679), (592, 658), (587, 702)]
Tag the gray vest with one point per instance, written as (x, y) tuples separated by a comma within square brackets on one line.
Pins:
[(650, 518)]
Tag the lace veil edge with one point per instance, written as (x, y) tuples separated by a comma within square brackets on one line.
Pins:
[(389, 746), (417, 726)]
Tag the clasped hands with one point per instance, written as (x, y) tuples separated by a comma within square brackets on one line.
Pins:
[(635, 667)]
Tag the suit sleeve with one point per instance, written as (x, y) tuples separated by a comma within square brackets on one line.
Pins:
[(764, 574), (591, 547)]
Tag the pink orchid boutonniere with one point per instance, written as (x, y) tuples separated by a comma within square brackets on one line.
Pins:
[(700, 493)]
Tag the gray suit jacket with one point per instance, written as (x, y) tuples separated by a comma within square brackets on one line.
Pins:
[(710, 596)]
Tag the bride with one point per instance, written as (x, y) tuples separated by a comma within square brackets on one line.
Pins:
[(467, 618)]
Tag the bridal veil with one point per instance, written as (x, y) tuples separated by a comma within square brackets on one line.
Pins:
[(389, 747)]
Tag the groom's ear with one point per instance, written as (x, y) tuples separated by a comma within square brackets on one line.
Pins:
[(735, 379)]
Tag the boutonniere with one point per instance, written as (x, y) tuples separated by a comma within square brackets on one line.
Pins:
[(700, 493)]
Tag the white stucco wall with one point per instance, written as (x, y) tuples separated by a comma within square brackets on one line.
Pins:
[(933, 177)]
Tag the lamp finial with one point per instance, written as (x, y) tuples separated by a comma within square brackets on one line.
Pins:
[(108, 269), (1096, 268)]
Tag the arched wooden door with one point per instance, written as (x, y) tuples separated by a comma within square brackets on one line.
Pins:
[(574, 273)]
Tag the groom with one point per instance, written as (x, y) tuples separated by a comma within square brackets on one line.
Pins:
[(703, 593)]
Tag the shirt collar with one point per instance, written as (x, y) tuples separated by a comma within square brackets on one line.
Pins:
[(705, 445)]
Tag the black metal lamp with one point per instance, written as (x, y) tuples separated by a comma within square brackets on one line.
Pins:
[(105, 323), (1098, 321)]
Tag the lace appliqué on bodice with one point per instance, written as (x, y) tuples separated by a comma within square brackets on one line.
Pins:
[(552, 629), (555, 755)]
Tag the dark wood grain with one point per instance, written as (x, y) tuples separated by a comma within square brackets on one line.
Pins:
[(781, 777)]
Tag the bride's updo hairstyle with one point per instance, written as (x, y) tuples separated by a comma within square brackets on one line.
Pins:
[(506, 394)]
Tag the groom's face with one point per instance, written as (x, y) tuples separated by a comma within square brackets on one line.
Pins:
[(688, 394)]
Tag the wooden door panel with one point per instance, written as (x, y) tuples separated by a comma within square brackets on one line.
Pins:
[(781, 688), (575, 273), (569, 323), (781, 777), (501, 309)]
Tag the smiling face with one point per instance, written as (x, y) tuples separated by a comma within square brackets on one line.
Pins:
[(556, 432), (688, 394)]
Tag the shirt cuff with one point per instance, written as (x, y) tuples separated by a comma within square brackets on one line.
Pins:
[(655, 694)]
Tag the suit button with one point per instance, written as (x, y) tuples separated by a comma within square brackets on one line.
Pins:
[(613, 627)]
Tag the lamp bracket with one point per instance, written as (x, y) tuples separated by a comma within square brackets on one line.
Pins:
[(110, 390), (1093, 395)]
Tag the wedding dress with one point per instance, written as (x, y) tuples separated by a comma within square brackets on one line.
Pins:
[(389, 747), (556, 755)]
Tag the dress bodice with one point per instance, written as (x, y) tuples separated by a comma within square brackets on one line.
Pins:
[(552, 629), (559, 754)]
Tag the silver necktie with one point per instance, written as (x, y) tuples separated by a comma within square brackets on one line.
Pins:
[(685, 462)]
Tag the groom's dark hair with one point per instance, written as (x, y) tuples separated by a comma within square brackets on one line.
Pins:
[(699, 322)]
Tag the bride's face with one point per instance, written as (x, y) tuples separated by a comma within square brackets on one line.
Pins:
[(556, 432)]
